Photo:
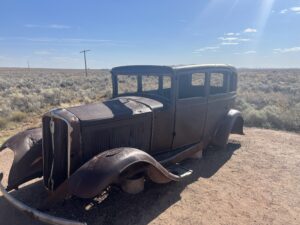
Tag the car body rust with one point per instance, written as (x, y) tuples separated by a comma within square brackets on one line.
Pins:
[(170, 114)]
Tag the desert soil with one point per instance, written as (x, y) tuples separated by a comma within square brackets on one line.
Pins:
[(256, 180)]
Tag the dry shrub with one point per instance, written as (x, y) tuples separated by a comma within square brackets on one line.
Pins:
[(3, 123), (270, 98), (17, 116), (267, 97)]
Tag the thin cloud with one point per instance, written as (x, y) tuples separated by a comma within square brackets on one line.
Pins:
[(61, 40), (286, 50), (50, 26), (250, 30), (85, 40), (295, 9), (284, 11), (233, 39), (210, 48), (58, 26), (228, 38), (72, 41), (249, 52), (244, 39), (245, 53), (230, 43), (232, 34)]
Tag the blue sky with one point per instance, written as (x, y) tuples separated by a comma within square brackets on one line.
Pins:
[(244, 33)]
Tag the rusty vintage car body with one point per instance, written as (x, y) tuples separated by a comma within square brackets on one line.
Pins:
[(158, 116)]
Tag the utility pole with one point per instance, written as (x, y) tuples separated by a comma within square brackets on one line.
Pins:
[(84, 51)]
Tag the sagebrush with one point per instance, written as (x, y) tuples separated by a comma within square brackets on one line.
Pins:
[(268, 98)]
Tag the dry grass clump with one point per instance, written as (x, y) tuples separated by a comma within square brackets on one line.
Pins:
[(17, 116), (3, 123)]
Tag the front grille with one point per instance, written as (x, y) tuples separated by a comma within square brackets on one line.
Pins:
[(130, 133), (55, 160)]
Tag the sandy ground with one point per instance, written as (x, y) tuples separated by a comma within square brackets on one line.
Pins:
[(256, 180)]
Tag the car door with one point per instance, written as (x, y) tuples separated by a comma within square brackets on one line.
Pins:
[(220, 100), (191, 109)]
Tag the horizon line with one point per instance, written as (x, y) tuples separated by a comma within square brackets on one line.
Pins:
[(60, 68)]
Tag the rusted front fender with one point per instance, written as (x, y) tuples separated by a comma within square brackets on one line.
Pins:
[(233, 123), (28, 161), (111, 167)]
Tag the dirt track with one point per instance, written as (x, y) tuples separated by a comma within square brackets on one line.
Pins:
[(255, 181)]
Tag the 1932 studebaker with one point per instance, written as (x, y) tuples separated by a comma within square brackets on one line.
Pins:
[(158, 116)]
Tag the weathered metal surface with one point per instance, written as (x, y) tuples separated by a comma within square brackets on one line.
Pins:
[(88, 148), (115, 109), (61, 146), (33, 213), (162, 122), (28, 161), (112, 167), (232, 123)]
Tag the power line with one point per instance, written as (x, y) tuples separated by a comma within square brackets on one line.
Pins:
[(84, 55)]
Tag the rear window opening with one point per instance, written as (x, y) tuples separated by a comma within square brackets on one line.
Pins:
[(192, 85), (218, 83)]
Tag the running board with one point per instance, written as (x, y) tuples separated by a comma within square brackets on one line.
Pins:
[(179, 170)]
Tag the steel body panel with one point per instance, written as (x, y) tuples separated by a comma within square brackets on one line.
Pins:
[(90, 147), (110, 110), (135, 133), (142, 69), (217, 108), (115, 123), (111, 167), (190, 121), (28, 161), (162, 123), (232, 123), (63, 145)]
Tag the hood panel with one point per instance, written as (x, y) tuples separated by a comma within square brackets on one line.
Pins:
[(118, 108), (151, 103)]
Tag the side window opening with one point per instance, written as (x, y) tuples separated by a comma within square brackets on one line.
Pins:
[(127, 84), (166, 82), (198, 79), (192, 85), (166, 87), (150, 83), (218, 83), (233, 82)]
